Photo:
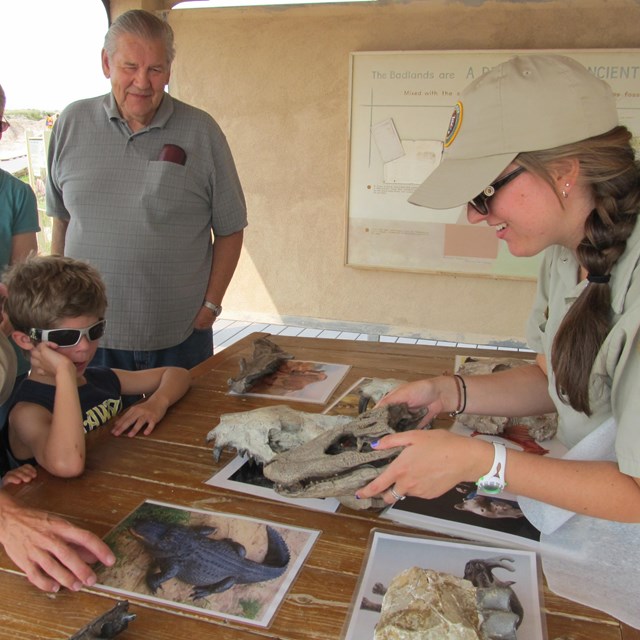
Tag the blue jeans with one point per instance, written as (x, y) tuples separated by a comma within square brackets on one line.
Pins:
[(194, 350)]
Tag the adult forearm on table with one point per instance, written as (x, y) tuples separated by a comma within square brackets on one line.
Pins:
[(521, 391), (594, 488), (226, 253), (8, 506)]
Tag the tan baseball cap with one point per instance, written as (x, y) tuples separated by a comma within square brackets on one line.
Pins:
[(528, 103)]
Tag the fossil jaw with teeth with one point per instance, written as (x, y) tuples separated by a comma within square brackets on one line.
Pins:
[(340, 461), (315, 455)]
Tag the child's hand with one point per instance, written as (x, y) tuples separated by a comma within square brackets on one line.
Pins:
[(145, 414), (47, 361), (23, 474)]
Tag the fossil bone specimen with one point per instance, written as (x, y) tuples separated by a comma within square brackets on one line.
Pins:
[(262, 433), (371, 392), (311, 455), (108, 625), (267, 357), (339, 461)]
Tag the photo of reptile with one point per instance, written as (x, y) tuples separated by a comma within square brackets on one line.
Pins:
[(216, 563)]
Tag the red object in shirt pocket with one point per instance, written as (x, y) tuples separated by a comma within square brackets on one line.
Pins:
[(173, 153)]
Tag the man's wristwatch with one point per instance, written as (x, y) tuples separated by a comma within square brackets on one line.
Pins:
[(216, 309), (493, 482)]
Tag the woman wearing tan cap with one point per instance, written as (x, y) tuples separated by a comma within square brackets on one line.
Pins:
[(534, 149)]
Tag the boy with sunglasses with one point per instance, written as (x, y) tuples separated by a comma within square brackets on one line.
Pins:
[(56, 306)]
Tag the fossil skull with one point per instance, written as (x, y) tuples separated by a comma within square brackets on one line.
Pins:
[(341, 460)]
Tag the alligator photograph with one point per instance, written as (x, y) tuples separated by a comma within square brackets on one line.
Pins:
[(209, 565), (216, 563)]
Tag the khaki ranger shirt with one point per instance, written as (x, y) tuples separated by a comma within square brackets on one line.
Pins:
[(614, 387)]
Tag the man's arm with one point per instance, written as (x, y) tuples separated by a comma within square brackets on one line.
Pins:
[(226, 253), (51, 551), (58, 235)]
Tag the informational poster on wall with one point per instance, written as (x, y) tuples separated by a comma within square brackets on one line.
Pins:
[(401, 103)]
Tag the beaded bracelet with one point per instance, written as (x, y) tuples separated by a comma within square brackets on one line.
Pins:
[(462, 396)]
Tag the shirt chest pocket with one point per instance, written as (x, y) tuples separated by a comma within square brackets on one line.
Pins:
[(167, 191)]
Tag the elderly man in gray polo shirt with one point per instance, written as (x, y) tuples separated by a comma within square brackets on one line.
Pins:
[(139, 182)]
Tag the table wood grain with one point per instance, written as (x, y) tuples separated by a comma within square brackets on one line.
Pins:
[(172, 464)]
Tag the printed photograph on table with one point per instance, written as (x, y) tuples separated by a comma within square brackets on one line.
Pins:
[(207, 562), (466, 510), (246, 476), (300, 380), (464, 513), (362, 395), (492, 592)]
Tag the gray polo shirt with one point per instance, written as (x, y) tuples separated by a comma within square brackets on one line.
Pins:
[(615, 377), (145, 224)]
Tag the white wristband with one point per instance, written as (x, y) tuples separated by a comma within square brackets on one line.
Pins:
[(494, 482)]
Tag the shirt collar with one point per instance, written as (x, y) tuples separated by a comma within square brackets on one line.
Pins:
[(159, 120)]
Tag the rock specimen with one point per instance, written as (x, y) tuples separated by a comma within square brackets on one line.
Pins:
[(422, 604)]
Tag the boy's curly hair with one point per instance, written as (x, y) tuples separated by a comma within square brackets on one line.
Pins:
[(43, 290)]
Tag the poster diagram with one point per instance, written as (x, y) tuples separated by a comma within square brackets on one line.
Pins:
[(401, 103)]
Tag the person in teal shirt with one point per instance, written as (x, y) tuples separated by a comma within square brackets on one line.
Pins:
[(18, 228), (18, 211)]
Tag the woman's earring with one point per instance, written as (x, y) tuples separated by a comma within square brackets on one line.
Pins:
[(565, 193)]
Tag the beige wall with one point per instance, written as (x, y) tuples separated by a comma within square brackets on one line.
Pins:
[(277, 81)]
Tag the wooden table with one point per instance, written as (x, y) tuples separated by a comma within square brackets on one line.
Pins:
[(171, 465)]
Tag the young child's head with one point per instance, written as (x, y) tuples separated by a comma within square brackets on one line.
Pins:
[(44, 290)]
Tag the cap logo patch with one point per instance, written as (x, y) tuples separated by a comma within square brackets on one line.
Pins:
[(454, 124)]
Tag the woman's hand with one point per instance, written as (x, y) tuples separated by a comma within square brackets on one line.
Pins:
[(434, 394), (431, 463)]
